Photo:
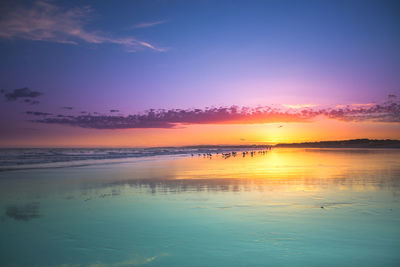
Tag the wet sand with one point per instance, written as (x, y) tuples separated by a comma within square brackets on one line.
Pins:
[(286, 207)]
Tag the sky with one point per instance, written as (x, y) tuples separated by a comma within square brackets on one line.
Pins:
[(170, 73)]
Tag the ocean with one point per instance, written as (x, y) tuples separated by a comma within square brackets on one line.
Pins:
[(194, 207)]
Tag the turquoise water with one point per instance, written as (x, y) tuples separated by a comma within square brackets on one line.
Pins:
[(287, 207)]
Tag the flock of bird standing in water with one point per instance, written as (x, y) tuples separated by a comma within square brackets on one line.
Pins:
[(227, 155)]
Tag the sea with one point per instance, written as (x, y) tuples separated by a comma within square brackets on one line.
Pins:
[(200, 206)]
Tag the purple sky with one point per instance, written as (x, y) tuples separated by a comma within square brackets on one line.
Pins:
[(132, 56)]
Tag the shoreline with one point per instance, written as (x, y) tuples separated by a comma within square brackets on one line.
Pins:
[(87, 162)]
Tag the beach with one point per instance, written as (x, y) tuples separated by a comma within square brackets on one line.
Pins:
[(281, 207), (199, 133)]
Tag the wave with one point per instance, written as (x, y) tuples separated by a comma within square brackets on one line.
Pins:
[(23, 158)]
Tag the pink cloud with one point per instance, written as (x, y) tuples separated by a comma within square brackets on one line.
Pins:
[(387, 112)]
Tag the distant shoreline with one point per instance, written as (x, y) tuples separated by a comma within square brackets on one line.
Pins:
[(38, 158), (353, 143)]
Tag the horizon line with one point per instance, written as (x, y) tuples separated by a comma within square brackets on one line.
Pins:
[(259, 144)]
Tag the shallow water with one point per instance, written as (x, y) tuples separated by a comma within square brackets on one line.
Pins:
[(288, 207)]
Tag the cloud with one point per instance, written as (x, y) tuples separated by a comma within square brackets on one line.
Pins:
[(32, 102), (174, 117), (68, 108), (44, 21), (388, 112), (114, 110), (38, 113), (363, 104), (148, 24), (298, 106), (21, 93)]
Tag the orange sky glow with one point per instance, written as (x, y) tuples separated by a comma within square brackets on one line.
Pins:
[(211, 134)]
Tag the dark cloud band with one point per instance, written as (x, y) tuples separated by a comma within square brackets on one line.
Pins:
[(386, 112)]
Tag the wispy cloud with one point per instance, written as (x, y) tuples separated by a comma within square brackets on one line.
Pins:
[(357, 105), (44, 21), (148, 24), (298, 106)]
